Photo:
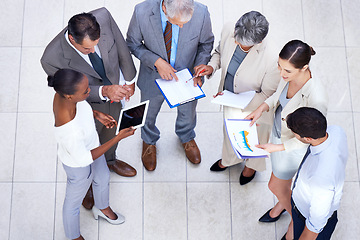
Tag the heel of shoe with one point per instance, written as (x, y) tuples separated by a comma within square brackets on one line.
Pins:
[(95, 212)]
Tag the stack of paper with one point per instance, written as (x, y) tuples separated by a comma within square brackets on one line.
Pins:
[(243, 139), (181, 91), (236, 100)]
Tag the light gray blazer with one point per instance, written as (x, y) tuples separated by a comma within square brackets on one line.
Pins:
[(114, 53), (145, 40)]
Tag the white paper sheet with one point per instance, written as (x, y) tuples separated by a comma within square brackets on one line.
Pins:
[(236, 100), (178, 92), (243, 138)]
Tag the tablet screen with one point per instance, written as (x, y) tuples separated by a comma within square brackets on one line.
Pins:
[(133, 117)]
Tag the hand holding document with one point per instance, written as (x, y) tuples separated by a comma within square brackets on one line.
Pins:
[(243, 139), (181, 91), (236, 100)]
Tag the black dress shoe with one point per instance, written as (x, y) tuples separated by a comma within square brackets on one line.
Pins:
[(244, 180), (266, 217), (216, 168)]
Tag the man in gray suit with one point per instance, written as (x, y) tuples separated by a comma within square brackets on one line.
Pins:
[(189, 45), (93, 45)]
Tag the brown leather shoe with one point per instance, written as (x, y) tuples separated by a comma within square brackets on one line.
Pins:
[(122, 168), (88, 201), (192, 152), (148, 156)]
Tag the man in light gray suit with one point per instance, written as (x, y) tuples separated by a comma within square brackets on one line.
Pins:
[(93, 45), (167, 36)]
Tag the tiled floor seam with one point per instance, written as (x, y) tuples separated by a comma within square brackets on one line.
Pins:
[(16, 124), (348, 76), (231, 215)]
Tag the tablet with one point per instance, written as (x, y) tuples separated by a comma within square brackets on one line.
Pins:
[(133, 116)]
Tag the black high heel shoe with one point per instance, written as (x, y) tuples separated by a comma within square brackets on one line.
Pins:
[(266, 217), (216, 168)]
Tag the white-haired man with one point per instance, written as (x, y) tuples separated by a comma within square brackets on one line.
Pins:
[(166, 36)]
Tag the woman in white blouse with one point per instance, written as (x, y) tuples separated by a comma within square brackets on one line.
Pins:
[(297, 88), (80, 151)]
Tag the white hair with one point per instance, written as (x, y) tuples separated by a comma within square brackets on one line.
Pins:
[(179, 8)]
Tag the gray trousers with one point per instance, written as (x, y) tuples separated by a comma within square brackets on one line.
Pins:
[(185, 121), (78, 183)]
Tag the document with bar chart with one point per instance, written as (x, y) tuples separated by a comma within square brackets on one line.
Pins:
[(243, 139)]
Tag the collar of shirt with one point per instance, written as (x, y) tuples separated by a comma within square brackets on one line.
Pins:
[(321, 147), (175, 35), (84, 56)]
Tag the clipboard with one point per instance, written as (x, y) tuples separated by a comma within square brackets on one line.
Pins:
[(181, 91)]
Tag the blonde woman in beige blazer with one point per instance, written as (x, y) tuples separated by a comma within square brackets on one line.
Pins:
[(298, 88), (257, 72)]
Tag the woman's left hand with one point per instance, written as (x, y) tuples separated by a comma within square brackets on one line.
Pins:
[(270, 147), (107, 120)]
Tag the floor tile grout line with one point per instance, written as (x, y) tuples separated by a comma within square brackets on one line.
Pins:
[(143, 202), (275, 225), (302, 18), (231, 213), (349, 82), (16, 120), (187, 200)]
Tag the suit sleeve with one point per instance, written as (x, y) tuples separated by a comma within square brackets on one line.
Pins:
[(126, 62), (269, 85), (135, 42), (206, 41), (49, 69)]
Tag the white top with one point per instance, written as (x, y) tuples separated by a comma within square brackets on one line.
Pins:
[(319, 186), (76, 138)]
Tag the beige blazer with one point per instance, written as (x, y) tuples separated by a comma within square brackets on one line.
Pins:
[(258, 71), (312, 94)]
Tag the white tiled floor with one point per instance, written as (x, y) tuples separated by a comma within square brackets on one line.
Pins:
[(178, 200)]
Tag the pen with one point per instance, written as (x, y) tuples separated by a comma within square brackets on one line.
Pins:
[(195, 76)]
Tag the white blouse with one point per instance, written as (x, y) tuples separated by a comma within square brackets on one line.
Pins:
[(76, 138)]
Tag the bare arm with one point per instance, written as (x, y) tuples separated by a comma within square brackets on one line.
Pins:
[(255, 115), (97, 152), (308, 235)]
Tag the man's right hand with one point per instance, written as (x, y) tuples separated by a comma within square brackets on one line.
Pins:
[(165, 70), (116, 92)]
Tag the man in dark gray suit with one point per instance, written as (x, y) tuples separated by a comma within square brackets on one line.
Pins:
[(189, 45), (93, 45)]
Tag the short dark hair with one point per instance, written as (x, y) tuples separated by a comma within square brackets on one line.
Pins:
[(83, 25), (65, 81), (297, 53), (307, 122)]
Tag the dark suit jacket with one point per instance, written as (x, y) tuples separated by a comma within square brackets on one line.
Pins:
[(114, 52), (145, 40)]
